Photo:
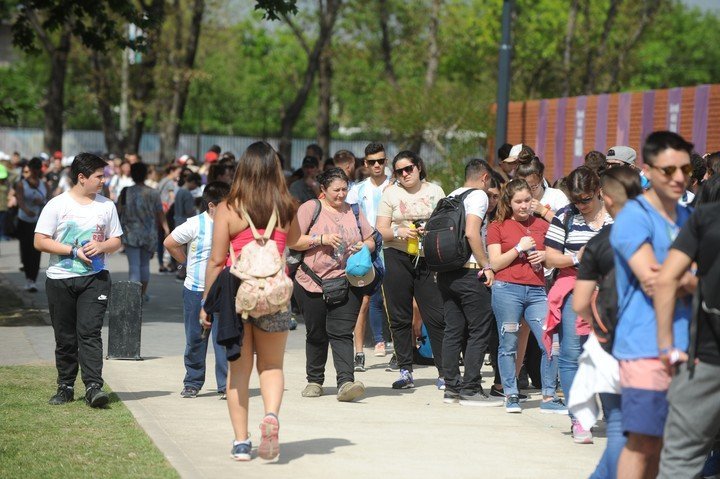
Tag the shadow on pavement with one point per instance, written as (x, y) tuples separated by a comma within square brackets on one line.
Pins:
[(136, 395), (289, 451)]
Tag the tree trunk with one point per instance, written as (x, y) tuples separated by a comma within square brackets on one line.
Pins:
[(599, 52), (291, 112), (324, 100), (182, 61), (567, 54), (385, 45), (55, 97)]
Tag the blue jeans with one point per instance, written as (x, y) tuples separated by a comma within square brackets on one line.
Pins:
[(377, 316), (570, 347), (510, 303), (138, 263), (196, 347), (607, 467)]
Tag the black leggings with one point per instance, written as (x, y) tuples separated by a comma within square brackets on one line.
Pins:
[(29, 256), (403, 281)]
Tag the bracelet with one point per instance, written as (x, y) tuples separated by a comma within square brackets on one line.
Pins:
[(576, 262), (487, 267), (73, 252), (321, 243), (519, 249), (313, 240)]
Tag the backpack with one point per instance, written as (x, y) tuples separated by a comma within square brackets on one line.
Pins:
[(375, 255), (264, 287), (445, 245), (604, 305), (294, 258)]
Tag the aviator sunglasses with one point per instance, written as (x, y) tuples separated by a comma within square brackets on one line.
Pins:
[(670, 170)]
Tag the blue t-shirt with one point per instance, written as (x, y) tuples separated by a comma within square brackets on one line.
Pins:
[(636, 333)]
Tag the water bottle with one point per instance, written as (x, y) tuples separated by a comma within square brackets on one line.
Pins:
[(535, 267), (413, 246), (98, 261)]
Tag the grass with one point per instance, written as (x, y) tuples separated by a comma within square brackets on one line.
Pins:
[(38, 440)]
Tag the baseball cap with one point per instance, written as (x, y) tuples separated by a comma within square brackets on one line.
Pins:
[(621, 153), (57, 155), (359, 269), (514, 152), (3, 172)]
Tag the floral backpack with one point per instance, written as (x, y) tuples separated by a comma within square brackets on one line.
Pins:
[(264, 287)]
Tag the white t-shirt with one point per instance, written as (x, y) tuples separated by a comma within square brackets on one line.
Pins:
[(70, 223), (476, 204), (554, 199), (197, 233), (367, 195)]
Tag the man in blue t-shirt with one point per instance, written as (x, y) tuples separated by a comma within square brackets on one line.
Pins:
[(641, 237)]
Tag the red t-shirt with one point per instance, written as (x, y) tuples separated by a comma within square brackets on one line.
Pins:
[(507, 234)]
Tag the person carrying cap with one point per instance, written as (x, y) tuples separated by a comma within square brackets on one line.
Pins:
[(508, 155)]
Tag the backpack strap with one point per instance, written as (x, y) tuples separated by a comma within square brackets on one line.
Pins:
[(268, 230)]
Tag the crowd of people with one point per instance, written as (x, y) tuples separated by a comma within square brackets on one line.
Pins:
[(611, 270)]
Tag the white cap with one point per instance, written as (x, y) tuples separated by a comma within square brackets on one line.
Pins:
[(514, 152)]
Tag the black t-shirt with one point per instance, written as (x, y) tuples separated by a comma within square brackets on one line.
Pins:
[(597, 260), (700, 240)]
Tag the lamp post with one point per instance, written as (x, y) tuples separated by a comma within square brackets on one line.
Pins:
[(503, 95)]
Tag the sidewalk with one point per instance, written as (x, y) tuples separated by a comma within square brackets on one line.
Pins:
[(401, 434)]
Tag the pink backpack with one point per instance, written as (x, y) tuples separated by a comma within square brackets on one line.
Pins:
[(264, 287)]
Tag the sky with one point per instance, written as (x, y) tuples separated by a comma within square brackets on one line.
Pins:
[(711, 5)]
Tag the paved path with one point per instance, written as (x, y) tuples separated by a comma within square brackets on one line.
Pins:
[(400, 434)]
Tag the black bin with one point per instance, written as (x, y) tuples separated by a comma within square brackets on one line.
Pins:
[(125, 320)]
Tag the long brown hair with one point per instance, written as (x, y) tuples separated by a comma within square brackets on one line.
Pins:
[(504, 207), (259, 184)]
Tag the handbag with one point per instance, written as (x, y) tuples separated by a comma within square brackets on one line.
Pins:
[(334, 290)]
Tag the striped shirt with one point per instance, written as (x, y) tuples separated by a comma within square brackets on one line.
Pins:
[(579, 232), (196, 232), (367, 196)]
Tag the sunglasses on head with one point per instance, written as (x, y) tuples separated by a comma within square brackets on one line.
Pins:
[(379, 161), (408, 169), (582, 201), (670, 170)]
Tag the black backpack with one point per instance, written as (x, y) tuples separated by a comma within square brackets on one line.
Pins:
[(445, 245), (605, 310)]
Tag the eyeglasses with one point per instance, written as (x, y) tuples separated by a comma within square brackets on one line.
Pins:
[(670, 170), (408, 169), (582, 201), (379, 161), (534, 187)]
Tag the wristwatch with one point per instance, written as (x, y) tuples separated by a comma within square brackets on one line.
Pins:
[(395, 231), (575, 259), (519, 249)]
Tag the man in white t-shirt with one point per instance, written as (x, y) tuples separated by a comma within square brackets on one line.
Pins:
[(78, 229), (366, 194), (197, 234), (466, 299)]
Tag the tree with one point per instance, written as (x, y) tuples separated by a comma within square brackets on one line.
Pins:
[(54, 24), (327, 15)]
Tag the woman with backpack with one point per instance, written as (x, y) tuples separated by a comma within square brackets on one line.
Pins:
[(597, 268), (328, 302), (258, 197), (404, 209), (516, 255), (570, 230)]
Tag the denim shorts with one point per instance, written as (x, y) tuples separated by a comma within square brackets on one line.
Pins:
[(272, 323), (644, 384)]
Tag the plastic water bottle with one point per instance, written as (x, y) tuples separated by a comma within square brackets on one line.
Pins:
[(413, 246), (98, 261), (535, 267)]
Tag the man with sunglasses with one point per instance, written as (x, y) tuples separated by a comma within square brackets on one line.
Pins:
[(643, 233), (367, 194), (624, 155)]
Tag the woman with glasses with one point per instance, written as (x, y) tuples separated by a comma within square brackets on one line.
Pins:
[(404, 209), (516, 250), (570, 230)]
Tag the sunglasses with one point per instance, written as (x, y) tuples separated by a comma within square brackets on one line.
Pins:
[(379, 161), (670, 170), (408, 169), (583, 201)]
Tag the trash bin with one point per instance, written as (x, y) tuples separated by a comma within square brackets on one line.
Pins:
[(125, 320)]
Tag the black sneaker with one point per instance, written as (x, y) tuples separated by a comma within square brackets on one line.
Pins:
[(393, 364), (189, 392), (497, 393), (64, 395), (450, 397), (95, 396), (479, 399), (360, 362), (523, 382)]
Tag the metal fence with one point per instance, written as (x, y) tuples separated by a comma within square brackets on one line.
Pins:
[(29, 142)]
